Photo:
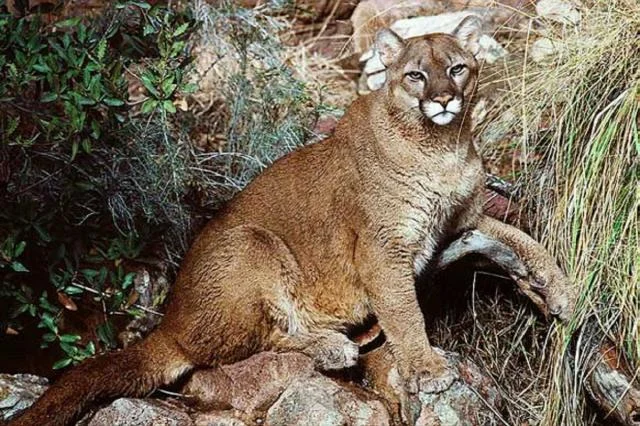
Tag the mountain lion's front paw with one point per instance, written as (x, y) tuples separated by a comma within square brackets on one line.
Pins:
[(436, 383), (336, 352), (550, 286), (437, 376)]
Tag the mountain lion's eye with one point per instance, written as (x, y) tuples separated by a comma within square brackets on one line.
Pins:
[(457, 69), (415, 75)]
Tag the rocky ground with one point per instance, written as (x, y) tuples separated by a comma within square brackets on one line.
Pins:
[(275, 389)]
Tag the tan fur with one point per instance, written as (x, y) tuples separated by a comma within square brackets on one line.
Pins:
[(327, 236)]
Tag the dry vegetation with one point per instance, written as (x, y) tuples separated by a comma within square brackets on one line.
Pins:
[(574, 126)]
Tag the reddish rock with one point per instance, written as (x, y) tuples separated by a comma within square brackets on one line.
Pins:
[(249, 386), (325, 126), (501, 207)]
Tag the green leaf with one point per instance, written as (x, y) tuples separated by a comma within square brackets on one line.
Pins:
[(89, 350), (19, 248), (74, 150), (102, 276), (13, 125), (83, 100), (69, 349), (43, 68), (169, 107), (189, 88), (148, 29), (69, 338), (49, 337), (181, 29), (89, 274), (149, 105), (67, 23), (72, 290), (106, 334), (44, 304), (148, 84), (128, 280), (48, 97), (113, 102), (48, 321), (140, 4), (18, 267), (177, 47), (101, 49), (86, 145), (21, 309), (42, 233), (64, 362)]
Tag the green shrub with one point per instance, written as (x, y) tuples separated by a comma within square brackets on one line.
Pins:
[(86, 178), (92, 180)]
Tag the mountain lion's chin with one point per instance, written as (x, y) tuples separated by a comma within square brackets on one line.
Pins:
[(443, 118)]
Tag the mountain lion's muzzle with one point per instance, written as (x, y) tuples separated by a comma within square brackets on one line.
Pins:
[(441, 109)]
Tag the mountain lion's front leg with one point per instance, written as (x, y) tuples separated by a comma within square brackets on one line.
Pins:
[(390, 285), (545, 276)]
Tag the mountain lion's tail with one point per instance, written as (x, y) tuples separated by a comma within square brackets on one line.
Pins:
[(132, 372)]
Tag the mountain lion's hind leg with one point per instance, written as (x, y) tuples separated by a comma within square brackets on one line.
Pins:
[(279, 280)]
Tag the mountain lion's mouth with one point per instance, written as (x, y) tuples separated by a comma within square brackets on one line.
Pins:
[(442, 118), (439, 114)]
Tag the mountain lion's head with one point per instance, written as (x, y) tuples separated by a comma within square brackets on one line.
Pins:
[(434, 75)]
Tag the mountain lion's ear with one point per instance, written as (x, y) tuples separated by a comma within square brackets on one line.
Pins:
[(468, 33), (389, 45)]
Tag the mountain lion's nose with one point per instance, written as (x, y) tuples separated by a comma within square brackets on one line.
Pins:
[(442, 99)]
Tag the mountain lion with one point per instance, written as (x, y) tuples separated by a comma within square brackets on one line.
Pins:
[(327, 236)]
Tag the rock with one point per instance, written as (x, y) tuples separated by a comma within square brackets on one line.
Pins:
[(285, 387), (468, 402), (561, 11), (490, 49), (218, 418), (470, 399), (421, 25), (321, 401), (541, 49), (249, 386), (140, 412), (282, 389), (371, 15), (325, 126), (18, 392)]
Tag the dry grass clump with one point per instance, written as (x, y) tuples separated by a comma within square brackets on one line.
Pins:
[(577, 115), (498, 330), (251, 108)]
